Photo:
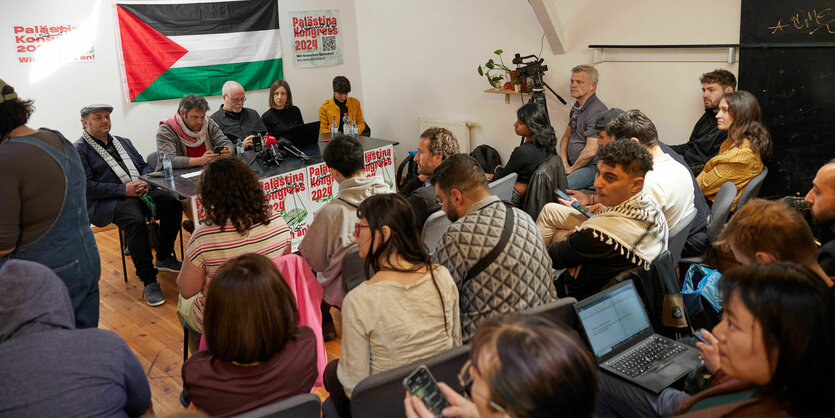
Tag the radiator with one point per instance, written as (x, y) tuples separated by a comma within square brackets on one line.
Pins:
[(461, 130)]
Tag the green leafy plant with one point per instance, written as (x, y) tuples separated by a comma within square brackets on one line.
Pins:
[(492, 65)]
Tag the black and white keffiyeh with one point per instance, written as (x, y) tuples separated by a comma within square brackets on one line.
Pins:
[(637, 228), (133, 172)]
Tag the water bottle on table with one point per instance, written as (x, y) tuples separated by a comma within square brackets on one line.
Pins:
[(167, 168), (346, 124), (334, 128), (239, 148), (354, 131)]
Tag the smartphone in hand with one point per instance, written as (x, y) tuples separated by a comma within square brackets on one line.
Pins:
[(218, 149), (422, 384), (699, 334), (575, 204)]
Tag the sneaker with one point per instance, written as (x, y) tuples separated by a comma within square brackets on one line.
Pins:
[(153, 294), (170, 265)]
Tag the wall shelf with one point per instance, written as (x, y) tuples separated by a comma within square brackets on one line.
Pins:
[(687, 53), (508, 93)]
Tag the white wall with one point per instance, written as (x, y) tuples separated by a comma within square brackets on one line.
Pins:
[(420, 58), (61, 92)]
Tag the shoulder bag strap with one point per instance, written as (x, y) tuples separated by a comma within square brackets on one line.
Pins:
[(494, 253)]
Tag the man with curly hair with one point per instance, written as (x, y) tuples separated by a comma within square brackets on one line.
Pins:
[(435, 146), (627, 229)]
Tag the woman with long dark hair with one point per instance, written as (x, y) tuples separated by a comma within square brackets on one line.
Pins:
[(406, 311), (282, 114), (257, 353), (238, 221), (741, 156), (540, 143), (43, 210), (777, 334)]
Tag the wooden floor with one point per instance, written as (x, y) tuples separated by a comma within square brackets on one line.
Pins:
[(154, 333)]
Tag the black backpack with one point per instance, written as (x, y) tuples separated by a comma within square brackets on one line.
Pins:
[(411, 171), (488, 158)]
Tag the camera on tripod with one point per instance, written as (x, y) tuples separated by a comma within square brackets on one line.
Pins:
[(531, 66)]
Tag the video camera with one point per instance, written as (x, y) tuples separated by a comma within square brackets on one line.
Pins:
[(531, 66)]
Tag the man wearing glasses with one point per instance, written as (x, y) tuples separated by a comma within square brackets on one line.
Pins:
[(237, 122), (578, 147)]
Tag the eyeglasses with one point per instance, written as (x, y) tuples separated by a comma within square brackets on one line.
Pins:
[(357, 227), (465, 379), (234, 100)]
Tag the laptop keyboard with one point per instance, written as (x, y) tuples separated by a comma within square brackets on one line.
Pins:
[(645, 355)]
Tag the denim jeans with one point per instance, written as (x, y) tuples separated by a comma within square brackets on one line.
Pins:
[(582, 178)]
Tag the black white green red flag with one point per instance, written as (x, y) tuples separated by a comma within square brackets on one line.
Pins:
[(169, 50)]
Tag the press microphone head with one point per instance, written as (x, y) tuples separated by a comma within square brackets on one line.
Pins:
[(269, 140), (284, 143)]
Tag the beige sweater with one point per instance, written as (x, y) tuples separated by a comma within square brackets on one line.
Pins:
[(387, 324)]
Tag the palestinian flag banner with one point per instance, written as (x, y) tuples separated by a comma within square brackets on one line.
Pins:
[(170, 50)]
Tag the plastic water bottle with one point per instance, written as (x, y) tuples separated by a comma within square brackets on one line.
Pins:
[(334, 128), (354, 129), (239, 148), (167, 168), (346, 123)]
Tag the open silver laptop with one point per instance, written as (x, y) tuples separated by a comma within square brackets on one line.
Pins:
[(624, 344)]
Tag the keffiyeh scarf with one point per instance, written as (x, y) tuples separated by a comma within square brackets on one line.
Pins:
[(133, 172), (190, 138)]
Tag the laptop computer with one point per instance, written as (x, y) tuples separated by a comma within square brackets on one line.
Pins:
[(624, 344), (303, 136)]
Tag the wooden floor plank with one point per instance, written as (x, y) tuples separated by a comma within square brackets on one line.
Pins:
[(153, 333)]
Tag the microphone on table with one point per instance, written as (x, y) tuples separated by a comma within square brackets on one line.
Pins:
[(270, 142), (291, 149)]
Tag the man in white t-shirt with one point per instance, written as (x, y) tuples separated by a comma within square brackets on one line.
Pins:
[(668, 183)]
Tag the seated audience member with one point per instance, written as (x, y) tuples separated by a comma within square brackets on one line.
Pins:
[(697, 237), (282, 114), (115, 194), (578, 147), (520, 366), (43, 216), (789, 239), (257, 353), (776, 334), (49, 367), (339, 105), (189, 138), (628, 228), (706, 137), (435, 145), (237, 122), (741, 156), (540, 144), (406, 312), (238, 221), (821, 199), (668, 183), (518, 277), (331, 234)]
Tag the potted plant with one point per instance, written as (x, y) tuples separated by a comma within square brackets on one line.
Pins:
[(495, 80)]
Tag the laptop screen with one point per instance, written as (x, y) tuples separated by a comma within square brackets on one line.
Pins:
[(613, 318)]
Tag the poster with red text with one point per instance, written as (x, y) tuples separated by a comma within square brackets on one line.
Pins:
[(288, 194), (380, 162), (317, 41), (323, 188), (53, 44)]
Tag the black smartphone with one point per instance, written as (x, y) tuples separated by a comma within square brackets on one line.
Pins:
[(698, 334), (218, 149), (421, 384), (575, 204), (256, 143)]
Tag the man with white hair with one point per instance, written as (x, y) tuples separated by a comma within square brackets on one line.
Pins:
[(236, 121)]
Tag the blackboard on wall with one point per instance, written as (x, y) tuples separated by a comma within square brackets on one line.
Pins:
[(791, 74)]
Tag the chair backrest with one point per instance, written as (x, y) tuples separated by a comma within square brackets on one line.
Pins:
[(548, 177), (720, 210), (353, 269), (560, 312), (503, 187), (678, 236), (434, 229), (660, 292), (152, 160), (752, 189), (382, 394), (304, 405)]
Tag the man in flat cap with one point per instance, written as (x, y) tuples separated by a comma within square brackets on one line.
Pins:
[(115, 194)]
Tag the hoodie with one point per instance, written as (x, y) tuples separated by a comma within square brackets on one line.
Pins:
[(48, 367), (331, 234)]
